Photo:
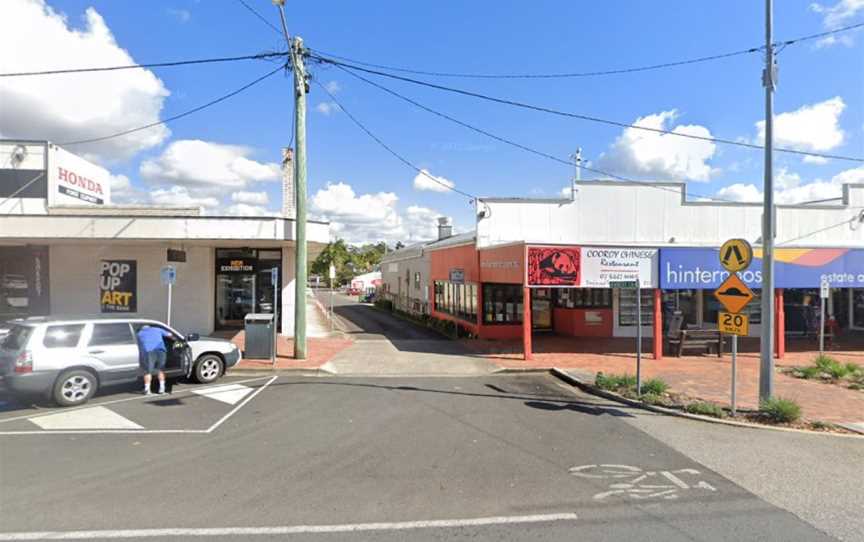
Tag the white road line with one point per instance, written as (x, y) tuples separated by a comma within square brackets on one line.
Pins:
[(238, 407), (95, 417), (229, 393), (124, 400), (293, 529)]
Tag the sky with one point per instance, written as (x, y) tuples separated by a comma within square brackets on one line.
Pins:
[(226, 158)]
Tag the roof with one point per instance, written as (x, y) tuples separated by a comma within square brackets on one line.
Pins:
[(454, 240)]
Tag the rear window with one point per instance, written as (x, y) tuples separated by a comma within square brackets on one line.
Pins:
[(17, 338), (105, 334), (62, 336)]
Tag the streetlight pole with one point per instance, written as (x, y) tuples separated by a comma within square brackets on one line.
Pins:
[(769, 74)]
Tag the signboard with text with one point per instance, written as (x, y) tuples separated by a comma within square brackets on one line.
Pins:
[(591, 266), (235, 265), (118, 286), (73, 180), (733, 324)]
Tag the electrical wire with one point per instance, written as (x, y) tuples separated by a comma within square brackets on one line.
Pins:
[(579, 116), (178, 116), (263, 19), (619, 71), (525, 147), (259, 56), (390, 149)]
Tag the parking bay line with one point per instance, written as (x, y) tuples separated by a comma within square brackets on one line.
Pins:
[(242, 403), (290, 529), (125, 400)]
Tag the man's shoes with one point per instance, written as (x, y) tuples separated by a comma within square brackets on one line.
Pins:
[(148, 392), (161, 392)]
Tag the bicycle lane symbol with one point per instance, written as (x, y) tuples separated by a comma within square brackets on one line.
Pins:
[(636, 483)]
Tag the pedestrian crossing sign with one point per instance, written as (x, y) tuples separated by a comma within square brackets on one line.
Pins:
[(736, 255)]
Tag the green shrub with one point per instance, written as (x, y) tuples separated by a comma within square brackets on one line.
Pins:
[(706, 409), (831, 366), (615, 382), (654, 386), (652, 399), (780, 410), (809, 372), (853, 368), (820, 425)]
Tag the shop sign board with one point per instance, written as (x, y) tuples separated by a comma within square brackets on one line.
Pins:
[(553, 266), (592, 267), (176, 256), (733, 324), (235, 265), (118, 286), (75, 181), (700, 268), (457, 276), (168, 274), (825, 289), (733, 294)]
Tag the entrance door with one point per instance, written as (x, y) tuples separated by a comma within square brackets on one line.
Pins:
[(541, 308), (235, 298)]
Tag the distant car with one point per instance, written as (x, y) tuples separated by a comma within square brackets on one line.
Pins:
[(69, 359)]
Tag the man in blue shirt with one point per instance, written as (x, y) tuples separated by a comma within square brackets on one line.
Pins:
[(151, 341)]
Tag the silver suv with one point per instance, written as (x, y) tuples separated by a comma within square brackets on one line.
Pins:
[(69, 359)]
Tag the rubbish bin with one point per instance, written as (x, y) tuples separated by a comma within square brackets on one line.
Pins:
[(259, 336)]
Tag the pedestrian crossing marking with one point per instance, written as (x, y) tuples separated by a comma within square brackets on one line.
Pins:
[(229, 393), (96, 417)]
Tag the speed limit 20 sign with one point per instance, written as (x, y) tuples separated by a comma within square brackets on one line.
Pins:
[(733, 324)]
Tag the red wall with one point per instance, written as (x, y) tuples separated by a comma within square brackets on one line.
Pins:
[(462, 257), (504, 265), (572, 322)]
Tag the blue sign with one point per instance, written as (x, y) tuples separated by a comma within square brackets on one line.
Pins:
[(700, 269), (168, 275)]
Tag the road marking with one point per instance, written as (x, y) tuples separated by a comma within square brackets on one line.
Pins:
[(238, 407), (115, 401), (97, 417), (292, 529), (229, 393), (642, 484)]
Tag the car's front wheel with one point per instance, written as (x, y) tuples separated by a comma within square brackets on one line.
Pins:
[(208, 368), (75, 387)]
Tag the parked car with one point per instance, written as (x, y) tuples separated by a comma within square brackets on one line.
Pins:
[(68, 359)]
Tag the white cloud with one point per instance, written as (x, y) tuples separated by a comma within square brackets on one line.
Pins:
[(71, 107), (207, 166), (243, 209), (661, 156), (333, 87), (818, 160), (789, 189), (374, 217), (182, 15), (250, 198), (122, 190), (180, 196), (327, 108), (423, 182), (839, 13), (812, 128)]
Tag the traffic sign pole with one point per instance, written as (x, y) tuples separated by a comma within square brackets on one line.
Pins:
[(734, 371), (638, 339), (823, 295), (169, 305)]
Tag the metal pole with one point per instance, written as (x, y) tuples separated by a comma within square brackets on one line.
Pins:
[(331, 304), (821, 325), (276, 284), (766, 366), (169, 305), (734, 373), (638, 338)]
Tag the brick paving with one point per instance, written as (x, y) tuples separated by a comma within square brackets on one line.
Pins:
[(704, 376), (319, 350)]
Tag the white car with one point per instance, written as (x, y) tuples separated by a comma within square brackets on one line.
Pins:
[(68, 359)]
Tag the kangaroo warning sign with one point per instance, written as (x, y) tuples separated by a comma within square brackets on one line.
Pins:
[(736, 255), (118, 286)]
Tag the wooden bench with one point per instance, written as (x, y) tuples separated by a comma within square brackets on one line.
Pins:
[(687, 339)]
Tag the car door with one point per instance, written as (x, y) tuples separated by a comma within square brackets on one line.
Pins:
[(179, 357), (114, 345)]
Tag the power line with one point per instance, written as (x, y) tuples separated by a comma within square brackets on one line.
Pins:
[(579, 116), (179, 116), (388, 148), (598, 73), (259, 56), (261, 17), (520, 145)]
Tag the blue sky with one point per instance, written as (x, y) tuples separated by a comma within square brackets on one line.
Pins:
[(722, 98)]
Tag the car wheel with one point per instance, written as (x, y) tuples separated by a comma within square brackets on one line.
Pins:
[(208, 368), (75, 387)]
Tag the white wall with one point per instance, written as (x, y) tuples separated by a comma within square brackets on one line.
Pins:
[(74, 283), (627, 214), (287, 308)]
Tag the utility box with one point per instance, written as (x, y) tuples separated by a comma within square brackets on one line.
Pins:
[(259, 336)]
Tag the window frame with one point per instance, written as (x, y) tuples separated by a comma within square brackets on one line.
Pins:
[(132, 340), (50, 327)]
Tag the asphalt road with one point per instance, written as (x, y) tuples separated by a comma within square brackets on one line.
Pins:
[(364, 322), (485, 458)]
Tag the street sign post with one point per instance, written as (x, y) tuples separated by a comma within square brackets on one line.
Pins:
[(168, 274), (332, 275), (634, 285), (735, 255), (824, 292)]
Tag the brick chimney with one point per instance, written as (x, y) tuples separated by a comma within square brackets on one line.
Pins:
[(289, 201)]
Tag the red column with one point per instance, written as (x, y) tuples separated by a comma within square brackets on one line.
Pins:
[(526, 323), (658, 324), (779, 324)]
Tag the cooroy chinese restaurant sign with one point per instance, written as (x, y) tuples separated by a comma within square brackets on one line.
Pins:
[(699, 268), (591, 267)]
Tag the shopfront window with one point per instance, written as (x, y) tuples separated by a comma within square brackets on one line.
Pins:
[(459, 300), (583, 298), (502, 304), (23, 282), (858, 307), (685, 302), (244, 284), (627, 307)]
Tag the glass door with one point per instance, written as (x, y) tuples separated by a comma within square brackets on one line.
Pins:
[(235, 298)]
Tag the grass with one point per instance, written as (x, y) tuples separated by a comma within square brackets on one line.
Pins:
[(653, 390), (779, 410), (826, 367), (615, 382), (654, 386), (706, 409)]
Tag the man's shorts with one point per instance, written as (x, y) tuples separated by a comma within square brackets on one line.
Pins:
[(154, 361)]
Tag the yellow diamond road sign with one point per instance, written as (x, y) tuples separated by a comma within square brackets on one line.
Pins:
[(733, 324), (734, 294), (736, 254)]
